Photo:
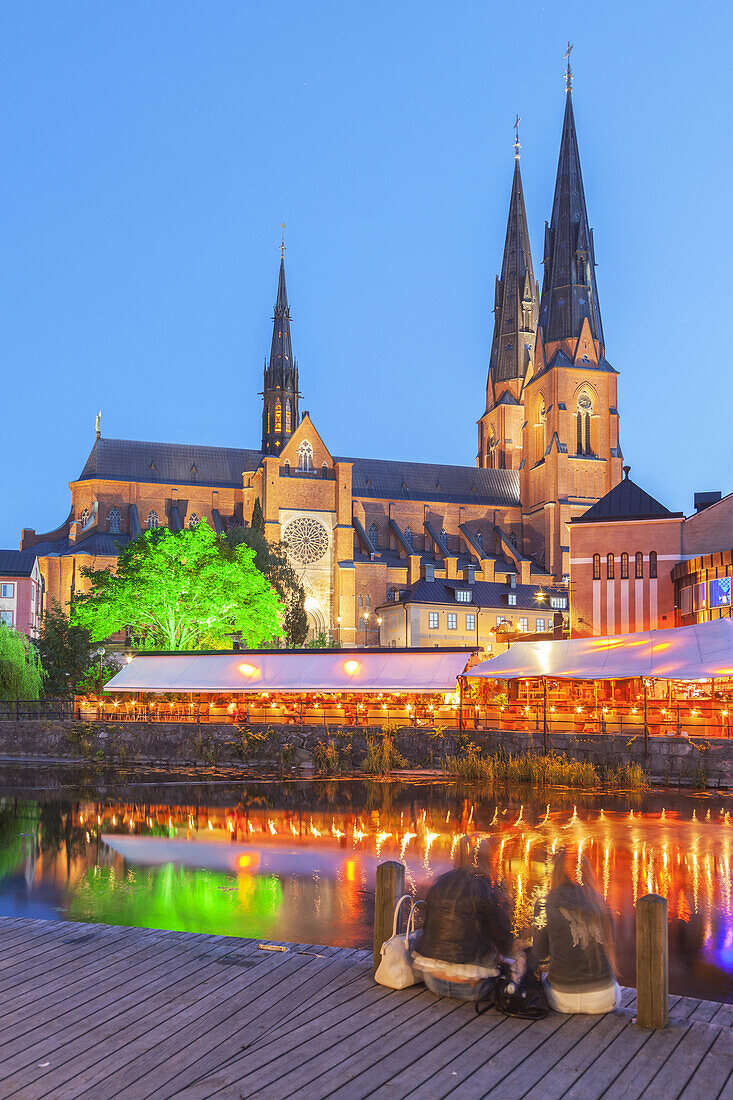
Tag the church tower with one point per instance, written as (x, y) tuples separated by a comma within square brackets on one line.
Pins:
[(512, 346), (280, 414), (571, 452)]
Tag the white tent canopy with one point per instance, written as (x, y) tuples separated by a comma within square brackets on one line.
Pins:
[(701, 652), (283, 670)]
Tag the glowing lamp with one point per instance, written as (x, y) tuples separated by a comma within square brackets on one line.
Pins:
[(351, 667), (247, 670)]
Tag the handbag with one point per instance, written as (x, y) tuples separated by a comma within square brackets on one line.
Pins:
[(522, 996), (395, 967)]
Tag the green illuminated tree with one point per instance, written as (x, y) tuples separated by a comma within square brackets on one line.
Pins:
[(178, 591), (21, 674), (272, 560)]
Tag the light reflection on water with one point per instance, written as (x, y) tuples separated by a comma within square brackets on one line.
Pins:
[(297, 862)]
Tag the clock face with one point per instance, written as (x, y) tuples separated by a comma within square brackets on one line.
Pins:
[(584, 401)]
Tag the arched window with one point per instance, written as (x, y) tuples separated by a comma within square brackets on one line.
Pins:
[(114, 520), (582, 416), (368, 600), (596, 567), (653, 564), (278, 418), (152, 519), (305, 456), (609, 567), (193, 521), (362, 624), (444, 536), (491, 452), (639, 564), (288, 415), (84, 517), (541, 428), (267, 416), (409, 537), (480, 538), (374, 534), (287, 467), (624, 567), (360, 600)]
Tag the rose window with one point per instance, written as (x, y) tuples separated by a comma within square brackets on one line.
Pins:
[(307, 540)]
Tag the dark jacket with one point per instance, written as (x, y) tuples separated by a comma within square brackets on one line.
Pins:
[(570, 934), (466, 919)]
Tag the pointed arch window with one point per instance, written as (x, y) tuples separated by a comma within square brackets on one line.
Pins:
[(596, 567), (409, 537), (653, 565), (582, 424), (84, 517), (360, 600), (610, 567), (278, 418), (639, 565), (444, 536), (114, 520), (374, 534), (152, 520), (624, 567), (491, 452), (288, 415), (267, 419), (305, 457), (480, 538), (541, 429), (193, 521)]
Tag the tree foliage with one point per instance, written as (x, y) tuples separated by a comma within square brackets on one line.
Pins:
[(179, 591), (21, 674), (271, 559), (64, 647), (258, 519)]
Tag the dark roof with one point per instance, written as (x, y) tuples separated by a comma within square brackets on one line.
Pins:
[(382, 479), (625, 501), (176, 463), (100, 544), (569, 292), (484, 594), (17, 563)]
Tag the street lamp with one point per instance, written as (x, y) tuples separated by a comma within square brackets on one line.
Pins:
[(100, 654), (338, 630), (366, 627), (379, 624)]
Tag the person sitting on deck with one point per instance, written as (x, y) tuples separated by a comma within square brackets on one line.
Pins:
[(465, 934), (574, 930)]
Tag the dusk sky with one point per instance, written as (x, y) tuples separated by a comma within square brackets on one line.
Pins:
[(150, 151)]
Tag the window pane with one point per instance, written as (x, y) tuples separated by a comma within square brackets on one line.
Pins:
[(470, 622), (452, 621)]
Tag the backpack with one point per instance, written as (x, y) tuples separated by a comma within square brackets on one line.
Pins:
[(522, 997)]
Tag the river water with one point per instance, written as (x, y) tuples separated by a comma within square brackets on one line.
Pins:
[(296, 861)]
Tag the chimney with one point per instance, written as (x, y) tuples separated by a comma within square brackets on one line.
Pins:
[(471, 574), (512, 578), (429, 571)]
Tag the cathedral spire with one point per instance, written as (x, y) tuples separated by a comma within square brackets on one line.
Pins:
[(569, 293), (515, 302), (280, 405)]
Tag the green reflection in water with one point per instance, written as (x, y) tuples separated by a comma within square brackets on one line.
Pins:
[(179, 899), (18, 830)]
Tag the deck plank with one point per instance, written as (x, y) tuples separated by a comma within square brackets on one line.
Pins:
[(105, 1013)]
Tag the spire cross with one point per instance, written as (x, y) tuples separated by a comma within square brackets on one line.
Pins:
[(282, 241), (517, 146), (569, 73)]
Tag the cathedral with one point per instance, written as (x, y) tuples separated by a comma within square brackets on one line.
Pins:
[(367, 533)]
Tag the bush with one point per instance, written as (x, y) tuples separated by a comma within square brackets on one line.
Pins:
[(21, 675), (326, 757), (382, 756)]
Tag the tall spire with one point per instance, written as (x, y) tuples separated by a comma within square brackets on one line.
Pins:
[(569, 292), (515, 301), (280, 405)]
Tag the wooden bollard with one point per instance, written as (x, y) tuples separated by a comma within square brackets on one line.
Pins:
[(652, 962), (390, 888)]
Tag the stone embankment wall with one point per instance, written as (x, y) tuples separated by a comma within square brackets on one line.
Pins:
[(671, 760)]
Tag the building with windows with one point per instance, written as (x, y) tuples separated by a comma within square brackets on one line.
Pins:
[(21, 591), (637, 566), (363, 532)]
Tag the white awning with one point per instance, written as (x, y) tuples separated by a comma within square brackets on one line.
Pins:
[(701, 652), (418, 670)]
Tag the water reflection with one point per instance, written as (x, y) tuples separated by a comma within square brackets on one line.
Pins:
[(297, 861)]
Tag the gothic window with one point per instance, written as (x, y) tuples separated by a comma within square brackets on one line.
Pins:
[(287, 468), (491, 454), (193, 521), (513, 539), (374, 534), (639, 565), (152, 519), (305, 456), (84, 517), (267, 415), (288, 415), (480, 538), (652, 564), (444, 536), (609, 567), (596, 567), (541, 429), (362, 624), (278, 418), (368, 600), (409, 537), (624, 567), (360, 600), (583, 415), (114, 520)]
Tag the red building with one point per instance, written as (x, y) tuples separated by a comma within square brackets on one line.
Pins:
[(21, 591)]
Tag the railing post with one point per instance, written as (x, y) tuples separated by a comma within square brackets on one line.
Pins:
[(390, 888), (652, 962)]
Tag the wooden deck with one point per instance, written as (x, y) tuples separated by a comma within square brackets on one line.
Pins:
[(101, 1012)]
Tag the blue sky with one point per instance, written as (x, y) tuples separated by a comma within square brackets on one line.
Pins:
[(149, 152)]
